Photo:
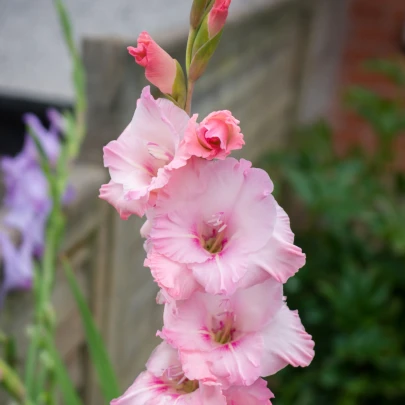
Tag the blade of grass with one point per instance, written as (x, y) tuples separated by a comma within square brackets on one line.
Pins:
[(100, 359)]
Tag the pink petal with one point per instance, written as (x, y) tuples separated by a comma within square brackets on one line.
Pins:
[(196, 368), (114, 194), (146, 389), (159, 121), (186, 323), (254, 212), (286, 342), (252, 277), (192, 142), (173, 116), (175, 278), (173, 235), (128, 163), (256, 394), (212, 395), (253, 307), (145, 229), (216, 137), (221, 273), (238, 363), (163, 357), (280, 257)]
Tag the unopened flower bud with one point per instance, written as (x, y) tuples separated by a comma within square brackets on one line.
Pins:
[(208, 37), (197, 12), (160, 68), (217, 17)]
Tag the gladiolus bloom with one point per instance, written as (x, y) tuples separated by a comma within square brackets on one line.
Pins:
[(164, 383), (216, 137), (236, 339), (218, 222), (141, 161)]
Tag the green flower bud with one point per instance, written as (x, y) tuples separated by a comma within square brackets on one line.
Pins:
[(198, 10)]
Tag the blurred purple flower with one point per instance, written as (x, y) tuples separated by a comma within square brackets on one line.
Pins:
[(17, 265), (27, 198)]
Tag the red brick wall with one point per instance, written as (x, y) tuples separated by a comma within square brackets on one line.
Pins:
[(374, 31)]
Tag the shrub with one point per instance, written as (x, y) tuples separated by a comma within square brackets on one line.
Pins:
[(351, 293)]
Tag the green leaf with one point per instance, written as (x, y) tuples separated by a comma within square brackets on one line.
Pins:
[(78, 78), (66, 387), (66, 26), (391, 69), (100, 359), (78, 69)]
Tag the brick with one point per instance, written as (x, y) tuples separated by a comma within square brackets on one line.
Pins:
[(367, 10), (374, 32)]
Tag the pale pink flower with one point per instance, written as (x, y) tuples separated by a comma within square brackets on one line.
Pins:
[(217, 17), (234, 340), (256, 394), (215, 137), (160, 67), (141, 161), (164, 383), (216, 220)]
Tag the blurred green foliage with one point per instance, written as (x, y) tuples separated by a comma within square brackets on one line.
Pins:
[(349, 218)]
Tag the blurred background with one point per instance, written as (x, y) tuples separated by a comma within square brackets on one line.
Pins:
[(319, 87)]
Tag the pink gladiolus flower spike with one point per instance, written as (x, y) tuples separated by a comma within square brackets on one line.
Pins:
[(160, 67), (234, 340), (216, 137), (216, 225), (141, 161)]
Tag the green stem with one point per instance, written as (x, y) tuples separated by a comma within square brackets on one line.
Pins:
[(189, 52), (31, 364), (43, 289), (39, 394), (37, 374), (190, 89)]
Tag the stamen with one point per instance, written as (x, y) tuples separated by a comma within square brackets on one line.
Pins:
[(225, 334), (216, 219), (184, 378), (213, 241)]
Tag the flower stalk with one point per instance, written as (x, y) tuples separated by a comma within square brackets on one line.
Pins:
[(38, 374)]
